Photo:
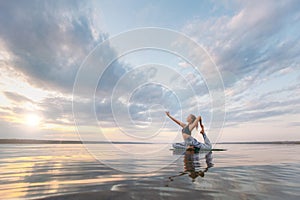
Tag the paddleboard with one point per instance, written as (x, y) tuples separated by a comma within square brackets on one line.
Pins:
[(196, 149)]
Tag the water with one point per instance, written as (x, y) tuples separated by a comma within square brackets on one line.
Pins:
[(244, 171)]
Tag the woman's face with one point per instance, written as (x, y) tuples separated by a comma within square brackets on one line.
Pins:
[(189, 119)]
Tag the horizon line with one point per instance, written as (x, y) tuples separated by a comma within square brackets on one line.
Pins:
[(43, 141)]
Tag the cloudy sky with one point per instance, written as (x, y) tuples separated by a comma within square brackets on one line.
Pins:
[(44, 44)]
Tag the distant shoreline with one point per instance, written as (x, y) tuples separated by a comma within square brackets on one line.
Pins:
[(274, 142), (33, 141)]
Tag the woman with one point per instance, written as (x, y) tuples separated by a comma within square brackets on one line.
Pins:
[(189, 141)]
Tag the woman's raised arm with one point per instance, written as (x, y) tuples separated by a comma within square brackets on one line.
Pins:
[(195, 123), (175, 120), (202, 126)]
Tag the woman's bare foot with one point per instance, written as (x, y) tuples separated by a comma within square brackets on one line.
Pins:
[(202, 130), (200, 121), (202, 127)]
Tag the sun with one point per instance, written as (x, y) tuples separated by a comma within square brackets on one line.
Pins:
[(32, 120)]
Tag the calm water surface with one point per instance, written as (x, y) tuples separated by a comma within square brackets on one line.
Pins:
[(244, 171)]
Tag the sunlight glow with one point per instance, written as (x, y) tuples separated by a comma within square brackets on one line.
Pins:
[(32, 120)]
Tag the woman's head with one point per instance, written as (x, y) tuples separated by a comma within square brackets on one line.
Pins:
[(191, 118)]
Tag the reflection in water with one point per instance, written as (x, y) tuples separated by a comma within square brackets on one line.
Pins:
[(31, 171), (192, 166), (243, 172)]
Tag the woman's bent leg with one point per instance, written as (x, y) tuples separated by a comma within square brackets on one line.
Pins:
[(190, 141), (193, 142), (207, 143), (202, 146)]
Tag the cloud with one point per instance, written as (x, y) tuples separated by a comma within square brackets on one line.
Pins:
[(254, 39), (46, 42), (49, 40), (294, 124), (251, 42), (17, 97)]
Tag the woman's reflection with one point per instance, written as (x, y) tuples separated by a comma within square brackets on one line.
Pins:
[(192, 165)]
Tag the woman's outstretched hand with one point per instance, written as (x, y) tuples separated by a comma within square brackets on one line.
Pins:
[(168, 113)]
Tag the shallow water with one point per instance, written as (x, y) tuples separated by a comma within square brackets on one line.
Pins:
[(244, 171)]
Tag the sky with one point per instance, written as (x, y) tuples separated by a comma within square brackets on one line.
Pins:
[(44, 44)]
